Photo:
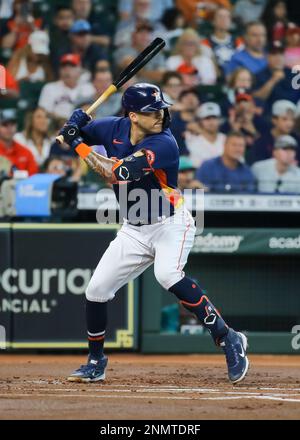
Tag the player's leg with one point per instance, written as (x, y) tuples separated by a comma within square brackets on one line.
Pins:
[(125, 259), (172, 250)]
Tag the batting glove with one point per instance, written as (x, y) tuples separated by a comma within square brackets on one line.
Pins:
[(71, 134), (79, 118)]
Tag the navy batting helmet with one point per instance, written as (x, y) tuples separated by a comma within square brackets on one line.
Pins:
[(144, 97)]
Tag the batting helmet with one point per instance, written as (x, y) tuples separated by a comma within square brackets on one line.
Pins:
[(144, 97)]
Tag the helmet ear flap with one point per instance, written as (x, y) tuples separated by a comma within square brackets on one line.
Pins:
[(166, 119)]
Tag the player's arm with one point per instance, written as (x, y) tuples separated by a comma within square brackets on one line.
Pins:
[(131, 168)]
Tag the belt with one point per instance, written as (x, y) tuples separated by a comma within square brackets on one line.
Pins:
[(153, 221)]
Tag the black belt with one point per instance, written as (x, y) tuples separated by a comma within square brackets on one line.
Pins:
[(156, 220)]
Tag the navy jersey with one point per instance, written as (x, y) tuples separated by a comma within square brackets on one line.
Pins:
[(114, 134)]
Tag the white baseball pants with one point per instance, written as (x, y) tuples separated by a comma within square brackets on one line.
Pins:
[(166, 244)]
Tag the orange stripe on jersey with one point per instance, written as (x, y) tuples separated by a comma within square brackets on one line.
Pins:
[(172, 194)]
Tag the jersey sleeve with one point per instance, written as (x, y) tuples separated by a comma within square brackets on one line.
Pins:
[(98, 132), (162, 151)]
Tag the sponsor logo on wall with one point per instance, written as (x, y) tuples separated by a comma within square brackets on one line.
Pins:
[(217, 243), (41, 283), (284, 242)]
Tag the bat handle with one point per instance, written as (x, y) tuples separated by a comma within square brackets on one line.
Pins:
[(105, 95)]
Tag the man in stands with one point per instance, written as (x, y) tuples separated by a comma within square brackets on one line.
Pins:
[(19, 156)]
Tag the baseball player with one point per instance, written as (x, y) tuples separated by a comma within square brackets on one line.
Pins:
[(143, 156)]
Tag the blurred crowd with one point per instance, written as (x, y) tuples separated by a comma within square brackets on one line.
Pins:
[(231, 69)]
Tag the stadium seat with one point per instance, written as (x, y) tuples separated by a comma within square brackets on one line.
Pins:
[(210, 93), (30, 93)]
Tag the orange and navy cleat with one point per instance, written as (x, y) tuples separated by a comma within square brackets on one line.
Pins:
[(93, 371), (234, 345)]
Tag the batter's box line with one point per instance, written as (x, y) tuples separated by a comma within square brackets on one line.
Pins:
[(110, 396)]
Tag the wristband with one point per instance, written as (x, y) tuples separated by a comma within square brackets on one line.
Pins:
[(83, 150)]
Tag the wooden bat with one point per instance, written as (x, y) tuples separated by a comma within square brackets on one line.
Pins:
[(137, 64)]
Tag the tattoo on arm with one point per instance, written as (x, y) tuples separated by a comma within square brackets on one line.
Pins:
[(101, 165)]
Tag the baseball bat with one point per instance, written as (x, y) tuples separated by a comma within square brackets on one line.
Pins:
[(137, 64)]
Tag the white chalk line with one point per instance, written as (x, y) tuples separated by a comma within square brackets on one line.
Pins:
[(165, 389), (111, 396), (163, 386), (48, 391)]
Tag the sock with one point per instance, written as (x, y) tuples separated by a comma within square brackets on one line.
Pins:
[(193, 299), (96, 319)]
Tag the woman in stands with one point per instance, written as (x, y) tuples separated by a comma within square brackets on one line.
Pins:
[(189, 53), (36, 135), (31, 62)]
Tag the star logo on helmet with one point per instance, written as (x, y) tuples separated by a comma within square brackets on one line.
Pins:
[(156, 94)]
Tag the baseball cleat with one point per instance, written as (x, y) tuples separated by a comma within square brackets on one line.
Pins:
[(234, 345), (93, 371)]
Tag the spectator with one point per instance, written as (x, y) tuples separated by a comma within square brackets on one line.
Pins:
[(283, 123), (20, 157), (157, 9), (186, 175), (228, 173), (172, 86), (279, 174), (58, 98), (189, 103), (189, 75), (59, 31), (102, 79), (81, 44), (275, 81), (55, 165), (141, 13), (241, 78), (82, 10), (141, 38), (65, 168), (220, 41), (208, 142), (6, 9), (36, 135), (187, 52), (253, 56), (31, 62), (12, 88), (246, 11), (195, 11), (20, 26), (292, 50), (243, 118), (275, 18), (70, 159), (173, 22)]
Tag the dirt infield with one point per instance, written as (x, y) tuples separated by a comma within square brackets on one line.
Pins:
[(149, 387)]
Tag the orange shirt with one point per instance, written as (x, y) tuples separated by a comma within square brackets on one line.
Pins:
[(23, 30), (190, 12), (20, 157), (11, 82)]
